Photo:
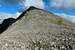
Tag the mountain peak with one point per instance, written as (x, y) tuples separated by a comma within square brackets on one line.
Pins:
[(39, 30)]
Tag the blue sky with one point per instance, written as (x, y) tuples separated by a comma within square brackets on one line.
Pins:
[(53, 6), (65, 11), (13, 6), (10, 9), (70, 11), (64, 6), (9, 6)]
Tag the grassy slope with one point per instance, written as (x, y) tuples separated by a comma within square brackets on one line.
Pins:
[(39, 30)]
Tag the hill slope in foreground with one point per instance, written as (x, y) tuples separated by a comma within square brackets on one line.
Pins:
[(39, 30)]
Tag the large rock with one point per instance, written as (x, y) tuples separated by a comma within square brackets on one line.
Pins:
[(39, 30)]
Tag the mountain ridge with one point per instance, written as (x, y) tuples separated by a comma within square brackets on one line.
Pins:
[(39, 30)]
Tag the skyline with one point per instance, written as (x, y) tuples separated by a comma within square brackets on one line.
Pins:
[(52, 6), (49, 5)]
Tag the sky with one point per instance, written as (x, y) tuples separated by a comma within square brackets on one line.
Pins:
[(10, 6), (61, 6), (65, 7)]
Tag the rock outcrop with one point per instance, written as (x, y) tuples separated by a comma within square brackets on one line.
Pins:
[(39, 30)]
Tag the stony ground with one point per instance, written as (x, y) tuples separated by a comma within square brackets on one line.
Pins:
[(39, 30)]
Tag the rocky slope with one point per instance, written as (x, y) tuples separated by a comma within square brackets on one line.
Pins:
[(38, 30)]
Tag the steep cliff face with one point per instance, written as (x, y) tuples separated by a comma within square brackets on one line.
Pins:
[(39, 30)]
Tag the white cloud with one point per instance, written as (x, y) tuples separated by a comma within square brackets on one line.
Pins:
[(57, 3), (67, 17), (16, 15), (63, 3), (7, 15), (35, 3), (69, 3)]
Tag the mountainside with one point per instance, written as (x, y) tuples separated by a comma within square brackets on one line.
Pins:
[(39, 30)]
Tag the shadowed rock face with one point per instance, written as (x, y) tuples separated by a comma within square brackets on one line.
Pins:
[(6, 23), (38, 30)]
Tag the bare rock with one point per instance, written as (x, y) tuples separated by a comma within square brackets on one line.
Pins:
[(39, 30)]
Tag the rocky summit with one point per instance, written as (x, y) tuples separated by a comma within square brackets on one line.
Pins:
[(39, 30)]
